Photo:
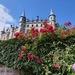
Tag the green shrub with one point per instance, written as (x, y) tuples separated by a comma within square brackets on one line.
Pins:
[(40, 53)]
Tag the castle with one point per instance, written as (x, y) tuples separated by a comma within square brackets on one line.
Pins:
[(25, 24)]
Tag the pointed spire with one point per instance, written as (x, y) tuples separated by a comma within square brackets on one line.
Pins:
[(23, 14), (51, 12)]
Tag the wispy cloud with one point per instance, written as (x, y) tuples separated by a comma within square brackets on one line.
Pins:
[(5, 18)]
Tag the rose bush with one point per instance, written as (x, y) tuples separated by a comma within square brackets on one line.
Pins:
[(47, 51), (51, 51)]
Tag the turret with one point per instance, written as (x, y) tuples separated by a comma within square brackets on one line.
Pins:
[(11, 32), (22, 23), (52, 18)]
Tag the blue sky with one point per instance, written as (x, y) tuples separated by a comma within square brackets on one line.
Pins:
[(63, 9)]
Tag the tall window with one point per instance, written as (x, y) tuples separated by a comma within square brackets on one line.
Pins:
[(32, 25), (51, 18), (27, 25), (41, 25), (37, 25)]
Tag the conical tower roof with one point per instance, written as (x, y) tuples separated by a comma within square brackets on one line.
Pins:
[(51, 13), (23, 13)]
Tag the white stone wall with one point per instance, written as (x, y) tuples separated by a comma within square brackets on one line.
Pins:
[(35, 24), (10, 33)]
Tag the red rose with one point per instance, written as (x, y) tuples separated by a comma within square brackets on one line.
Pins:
[(34, 34), (24, 39), (20, 55), (67, 23), (16, 34), (43, 30), (23, 48), (36, 30), (51, 31), (49, 27), (53, 36), (38, 60), (56, 65), (61, 36), (44, 22), (54, 29), (29, 56), (33, 28)]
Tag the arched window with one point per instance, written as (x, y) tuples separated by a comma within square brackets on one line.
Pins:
[(32, 25), (27, 25), (41, 25), (51, 18), (37, 25)]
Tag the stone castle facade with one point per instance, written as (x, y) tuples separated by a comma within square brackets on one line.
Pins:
[(25, 24)]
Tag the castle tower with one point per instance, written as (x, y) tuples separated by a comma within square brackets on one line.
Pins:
[(52, 18), (11, 32), (22, 23)]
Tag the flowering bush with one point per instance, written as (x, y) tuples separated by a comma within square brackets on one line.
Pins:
[(52, 51), (47, 51)]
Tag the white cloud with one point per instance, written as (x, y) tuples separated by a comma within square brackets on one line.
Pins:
[(5, 18)]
